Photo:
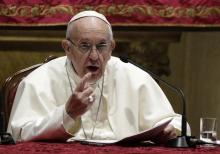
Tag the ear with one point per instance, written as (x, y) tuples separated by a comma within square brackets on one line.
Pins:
[(112, 48), (66, 46), (113, 44)]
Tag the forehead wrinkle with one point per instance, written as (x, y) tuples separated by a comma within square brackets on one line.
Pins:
[(103, 35), (88, 30)]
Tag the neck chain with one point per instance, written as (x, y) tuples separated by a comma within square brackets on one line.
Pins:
[(100, 100)]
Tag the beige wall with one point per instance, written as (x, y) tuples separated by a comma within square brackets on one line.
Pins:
[(195, 62)]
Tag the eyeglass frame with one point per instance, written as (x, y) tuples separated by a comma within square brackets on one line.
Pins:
[(90, 47)]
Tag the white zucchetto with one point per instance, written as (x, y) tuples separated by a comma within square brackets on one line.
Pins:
[(89, 14)]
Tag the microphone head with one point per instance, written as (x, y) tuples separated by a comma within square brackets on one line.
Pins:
[(124, 59)]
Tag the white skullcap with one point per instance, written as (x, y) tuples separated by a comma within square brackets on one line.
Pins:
[(89, 14)]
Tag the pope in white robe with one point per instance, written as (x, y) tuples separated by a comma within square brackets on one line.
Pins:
[(123, 99)]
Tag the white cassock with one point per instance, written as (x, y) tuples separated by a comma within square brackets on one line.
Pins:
[(131, 102)]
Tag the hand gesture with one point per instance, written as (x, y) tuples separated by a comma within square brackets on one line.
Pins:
[(82, 98)]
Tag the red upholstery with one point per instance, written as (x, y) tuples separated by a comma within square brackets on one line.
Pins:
[(77, 148)]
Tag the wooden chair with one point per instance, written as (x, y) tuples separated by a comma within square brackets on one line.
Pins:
[(10, 87)]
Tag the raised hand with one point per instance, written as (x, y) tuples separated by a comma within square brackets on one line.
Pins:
[(81, 99)]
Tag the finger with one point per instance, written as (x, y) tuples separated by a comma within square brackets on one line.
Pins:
[(87, 92), (168, 129), (89, 99), (169, 135), (170, 132), (82, 83), (172, 135)]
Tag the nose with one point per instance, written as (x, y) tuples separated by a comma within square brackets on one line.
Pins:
[(93, 53)]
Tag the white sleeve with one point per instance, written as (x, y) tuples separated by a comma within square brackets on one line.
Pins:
[(35, 116), (155, 107)]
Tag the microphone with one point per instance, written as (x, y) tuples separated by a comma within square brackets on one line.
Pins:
[(182, 141)]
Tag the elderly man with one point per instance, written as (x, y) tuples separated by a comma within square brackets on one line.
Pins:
[(88, 94)]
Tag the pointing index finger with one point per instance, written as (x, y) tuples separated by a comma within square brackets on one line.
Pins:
[(83, 81)]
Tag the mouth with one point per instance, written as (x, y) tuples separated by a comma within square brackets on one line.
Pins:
[(93, 69)]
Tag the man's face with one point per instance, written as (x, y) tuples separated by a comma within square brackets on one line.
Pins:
[(89, 46)]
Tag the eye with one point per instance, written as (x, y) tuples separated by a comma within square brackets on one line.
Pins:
[(85, 46), (101, 46)]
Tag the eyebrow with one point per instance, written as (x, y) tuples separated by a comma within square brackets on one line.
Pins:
[(89, 41)]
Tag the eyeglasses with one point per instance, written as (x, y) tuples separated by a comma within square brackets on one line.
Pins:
[(86, 47)]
